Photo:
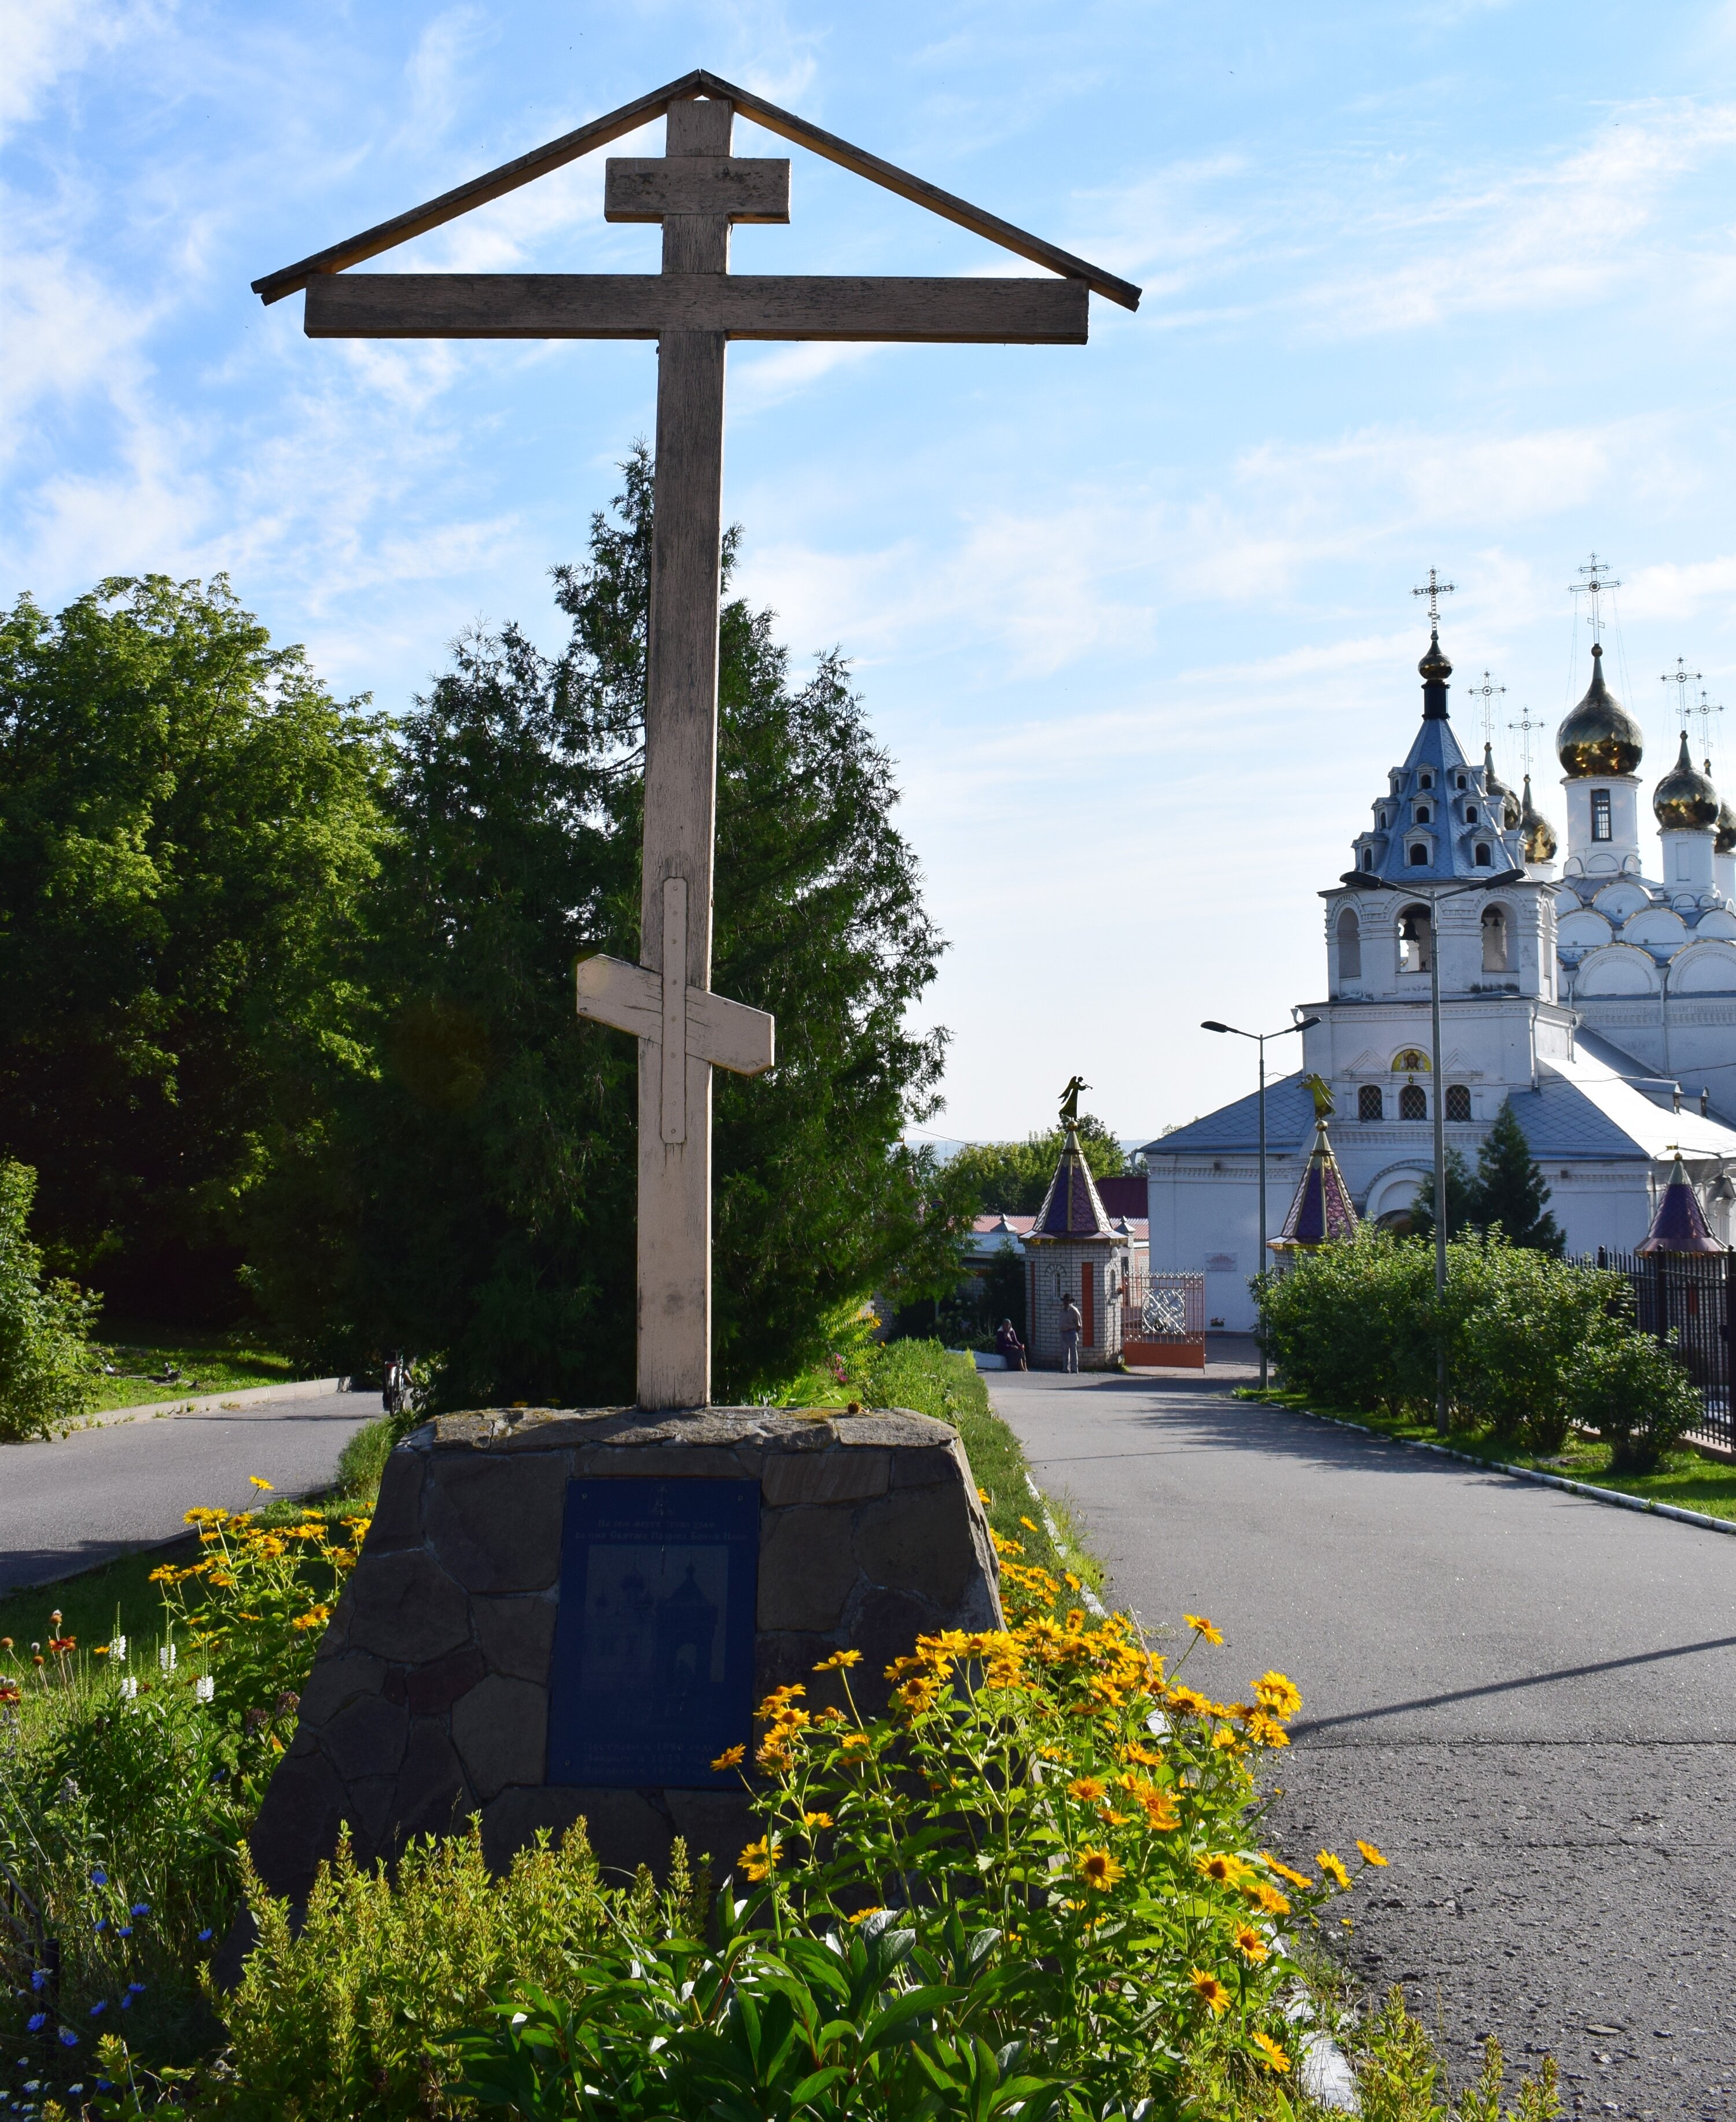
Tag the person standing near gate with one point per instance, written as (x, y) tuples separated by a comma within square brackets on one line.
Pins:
[(1072, 1328)]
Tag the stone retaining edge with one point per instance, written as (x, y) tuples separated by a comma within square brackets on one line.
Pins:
[(155, 1411), (1616, 1496)]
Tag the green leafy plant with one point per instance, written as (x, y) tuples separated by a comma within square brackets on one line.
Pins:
[(1520, 1321), (47, 1364), (1635, 1394)]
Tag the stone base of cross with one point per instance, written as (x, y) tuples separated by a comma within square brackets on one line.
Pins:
[(692, 308)]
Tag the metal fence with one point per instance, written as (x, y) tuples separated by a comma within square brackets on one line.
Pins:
[(1691, 1295), (1163, 1310)]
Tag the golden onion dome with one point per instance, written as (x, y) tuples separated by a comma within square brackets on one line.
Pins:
[(1502, 800), (1599, 736), (1685, 800), (1725, 843), (1540, 841), (1435, 667)]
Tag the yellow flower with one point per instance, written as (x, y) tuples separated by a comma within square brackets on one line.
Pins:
[(1227, 1870), (1030, 1523), (1159, 1808), (1098, 1869), (257, 1482), (1274, 1903), (838, 1660), (1333, 1868), (983, 1497), (730, 1758), (862, 1915), (816, 1819), (854, 1741), (1275, 2059), (1144, 1755), (759, 1859), (1201, 1627), (315, 1617), (1371, 1854), (1295, 1878), (1250, 1943), (1279, 1694), (1087, 1789), (1210, 1990)]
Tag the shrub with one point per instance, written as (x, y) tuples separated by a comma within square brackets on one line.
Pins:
[(1519, 1321), (1353, 1323), (361, 1462), (1635, 1394), (47, 1368)]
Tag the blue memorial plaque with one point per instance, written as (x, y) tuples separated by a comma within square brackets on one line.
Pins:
[(653, 1671)]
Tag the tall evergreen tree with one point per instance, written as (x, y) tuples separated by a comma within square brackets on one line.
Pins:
[(1510, 1188), (475, 1200), (1461, 1197)]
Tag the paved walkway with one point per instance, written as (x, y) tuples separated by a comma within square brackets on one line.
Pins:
[(79, 1500), (1528, 1701)]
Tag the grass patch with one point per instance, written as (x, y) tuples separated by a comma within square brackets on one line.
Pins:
[(1685, 1480), (214, 1362)]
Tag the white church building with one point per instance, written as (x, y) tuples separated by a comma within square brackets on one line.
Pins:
[(1600, 999)]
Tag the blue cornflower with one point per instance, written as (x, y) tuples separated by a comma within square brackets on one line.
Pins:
[(205, 1936), (140, 1909), (35, 2025), (100, 1923), (124, 1931), (68, 2038), (99, 1878), (101, 2005), (135, 1989), (106, 2085), (39, 1978)]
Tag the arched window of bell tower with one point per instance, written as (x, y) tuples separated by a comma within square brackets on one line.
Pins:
[(1414, 940), (1349, 940), (1495, 940)]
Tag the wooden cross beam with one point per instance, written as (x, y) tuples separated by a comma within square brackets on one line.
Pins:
[(697, 189)]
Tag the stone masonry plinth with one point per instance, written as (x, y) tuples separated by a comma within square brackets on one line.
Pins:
[(429, 1701)]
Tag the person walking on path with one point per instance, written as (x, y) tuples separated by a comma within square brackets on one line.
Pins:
[(1072, 1326)]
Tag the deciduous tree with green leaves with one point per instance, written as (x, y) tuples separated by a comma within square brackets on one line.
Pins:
[(47, 1366), (188, 820), (1010, 1177)]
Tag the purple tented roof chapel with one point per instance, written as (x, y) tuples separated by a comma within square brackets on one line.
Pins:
[(1071, 1207), (1321, 1211), (1679, 1225)]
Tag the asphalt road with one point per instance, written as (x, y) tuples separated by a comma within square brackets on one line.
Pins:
[(76, 1502), (1526, 1700)]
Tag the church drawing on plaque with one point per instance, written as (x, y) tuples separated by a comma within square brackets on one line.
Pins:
[(1594, 988)]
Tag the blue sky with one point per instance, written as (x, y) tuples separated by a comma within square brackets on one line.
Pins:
[(1451, 285)]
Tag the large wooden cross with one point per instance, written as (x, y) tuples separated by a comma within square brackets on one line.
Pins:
[(692, 308)]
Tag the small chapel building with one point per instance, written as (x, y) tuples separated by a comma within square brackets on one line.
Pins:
[(1601, 1001)]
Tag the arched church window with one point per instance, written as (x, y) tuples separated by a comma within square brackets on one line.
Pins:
[(1600, 824), (1422, 814), (1426, 781), (1368, 858), (1470, 811), (1413, 940), (1419, 857), (1369, 1104), (1412, 1104), (1481, 855), (1495, 939), (1460, 781), (1459, 1101), (1349, 941)]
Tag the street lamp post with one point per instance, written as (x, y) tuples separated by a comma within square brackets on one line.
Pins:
[(1259, 1039), (1434, 899)]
